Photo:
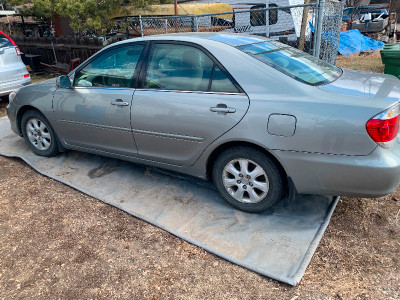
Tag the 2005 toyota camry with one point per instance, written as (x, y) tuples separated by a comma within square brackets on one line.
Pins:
[(259, 118)]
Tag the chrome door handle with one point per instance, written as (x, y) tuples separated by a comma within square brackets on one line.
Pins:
[(227, 110), (119, 102)]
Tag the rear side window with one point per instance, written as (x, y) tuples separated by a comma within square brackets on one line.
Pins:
[(4, 41), (185, 68), (346, 12), (221, 83), (178, 67)]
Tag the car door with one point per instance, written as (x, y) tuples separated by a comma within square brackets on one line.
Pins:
[(186, 101), (95, 112)]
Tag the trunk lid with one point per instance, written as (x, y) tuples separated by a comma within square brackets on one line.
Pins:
[(367, 85)]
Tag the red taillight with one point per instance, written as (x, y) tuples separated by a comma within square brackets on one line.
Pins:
[(384, 127), (382, 131), (26, 75), (18, 51)]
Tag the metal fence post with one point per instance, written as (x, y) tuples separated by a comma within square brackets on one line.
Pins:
[(267, 15), (314, 37), (196, 23), (318, 27), (166, 26), (141, 25)]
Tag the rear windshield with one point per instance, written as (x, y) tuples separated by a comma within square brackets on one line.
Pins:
[(4, 42), (293, 62)]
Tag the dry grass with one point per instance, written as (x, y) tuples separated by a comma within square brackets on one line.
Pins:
[(365, 62), (57, 243), (43, 76)]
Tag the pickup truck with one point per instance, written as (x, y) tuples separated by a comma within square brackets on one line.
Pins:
[(370, 19)]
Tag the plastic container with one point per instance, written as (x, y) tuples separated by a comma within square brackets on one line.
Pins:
[(390, 55)]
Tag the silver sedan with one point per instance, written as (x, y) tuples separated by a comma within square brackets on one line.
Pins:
[(259, 118)]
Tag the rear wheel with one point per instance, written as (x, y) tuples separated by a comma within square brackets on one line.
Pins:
[(38, 134), (248, 179)]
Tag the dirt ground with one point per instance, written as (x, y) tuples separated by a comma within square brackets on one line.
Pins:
[(56, 242)]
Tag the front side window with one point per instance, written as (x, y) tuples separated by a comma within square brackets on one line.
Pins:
[(114, 68), (293, 62), (185, 68)]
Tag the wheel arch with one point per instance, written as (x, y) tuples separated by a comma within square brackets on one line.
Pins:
[(26, 108), (221, 148), (21, 112)]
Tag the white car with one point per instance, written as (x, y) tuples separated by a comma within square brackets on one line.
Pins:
[(13, 72)]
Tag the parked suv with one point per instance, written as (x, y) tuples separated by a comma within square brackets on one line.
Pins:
[(13, 73)]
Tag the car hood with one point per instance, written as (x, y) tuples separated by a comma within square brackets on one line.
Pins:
[(365, 84), (51, 81), (37, 90)]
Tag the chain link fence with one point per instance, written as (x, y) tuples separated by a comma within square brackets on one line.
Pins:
[(301, 26), (330, 31), (295, 25)]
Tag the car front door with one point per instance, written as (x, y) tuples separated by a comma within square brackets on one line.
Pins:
[(186, 101), (95, 112)]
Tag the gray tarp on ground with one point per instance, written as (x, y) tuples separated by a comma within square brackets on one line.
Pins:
[(278, 244)]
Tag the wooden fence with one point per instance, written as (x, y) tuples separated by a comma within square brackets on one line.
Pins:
[(61, 49)]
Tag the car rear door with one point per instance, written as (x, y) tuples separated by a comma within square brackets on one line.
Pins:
[(186, 100), (95, 112)]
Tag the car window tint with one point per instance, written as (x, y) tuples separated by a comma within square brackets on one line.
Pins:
[(221, 83), (293, 62), (115, 68), (178, 67), (4, 42)]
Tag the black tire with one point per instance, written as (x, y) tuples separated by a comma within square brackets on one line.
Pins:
[(254, 200), (44, 143)]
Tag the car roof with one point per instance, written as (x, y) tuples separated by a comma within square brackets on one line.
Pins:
[(233, 40)]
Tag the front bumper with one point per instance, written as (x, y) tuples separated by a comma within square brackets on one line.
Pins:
[(373, 175), (12, 116)]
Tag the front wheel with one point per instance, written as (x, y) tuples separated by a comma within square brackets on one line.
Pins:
[(38, 134), (248, 179)]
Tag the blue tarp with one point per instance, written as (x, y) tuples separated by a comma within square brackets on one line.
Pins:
[(352, 41)]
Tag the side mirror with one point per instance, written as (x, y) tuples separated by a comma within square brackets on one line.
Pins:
[(63, 82)]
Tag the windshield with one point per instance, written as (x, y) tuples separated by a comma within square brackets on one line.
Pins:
[(293, 62)]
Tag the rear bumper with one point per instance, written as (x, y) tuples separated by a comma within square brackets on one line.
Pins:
[(8, 87), (374, 175)]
